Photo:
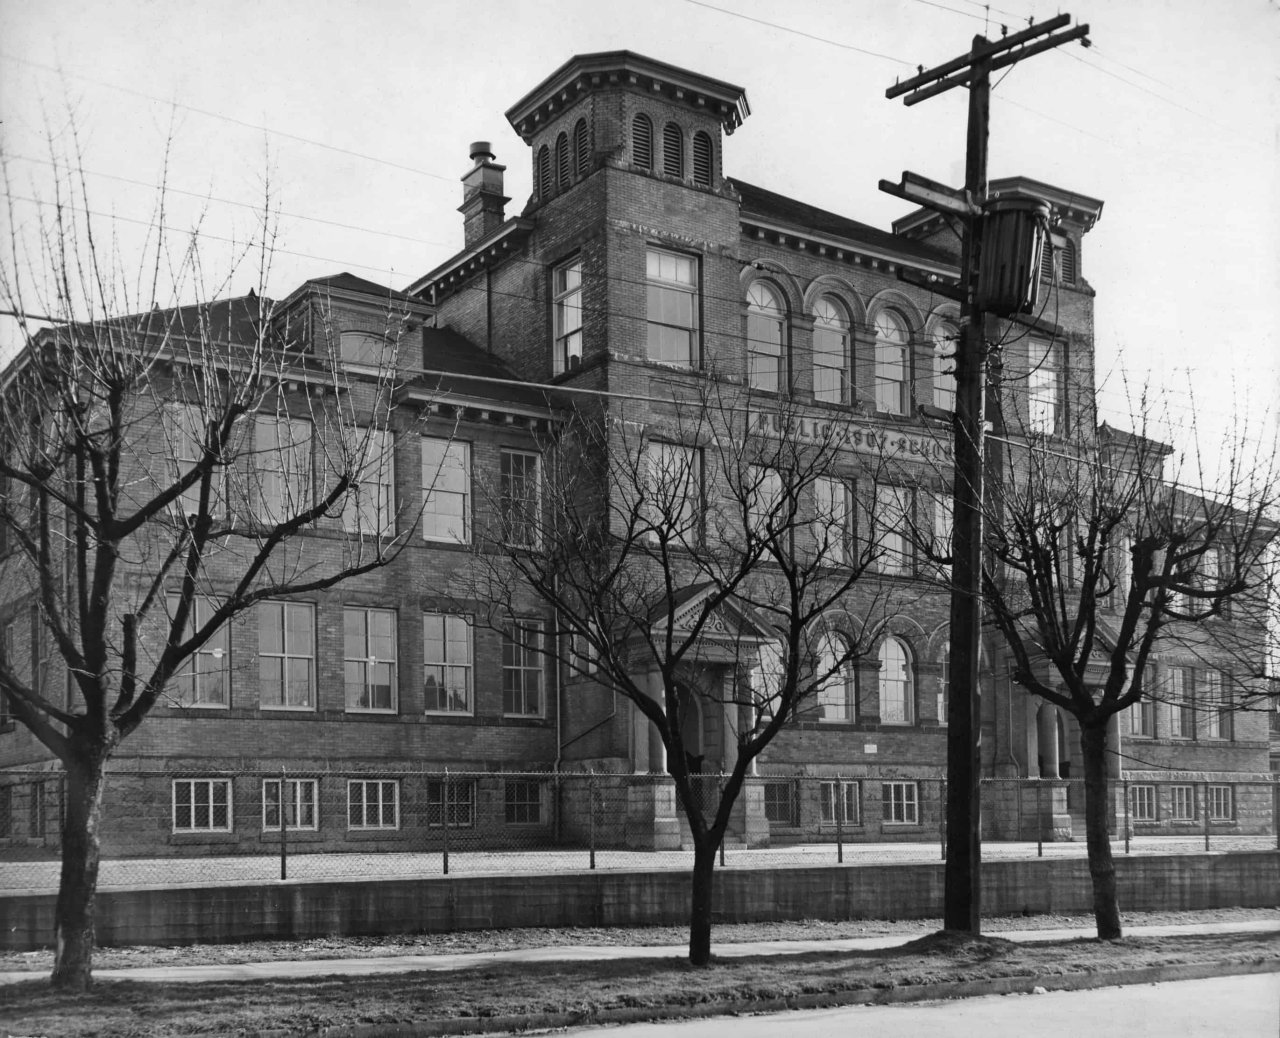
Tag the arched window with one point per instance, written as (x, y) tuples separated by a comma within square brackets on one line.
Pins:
[(703, 159), (830, 352), (946, 340), (672, 150), (544, 173), (892, 362), (562, 162), (582, 148), (764, 337), (897, 693), (642, 141), (836, 688)]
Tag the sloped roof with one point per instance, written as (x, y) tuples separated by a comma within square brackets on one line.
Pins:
[(348, 282), (776, 208), (456, 365)]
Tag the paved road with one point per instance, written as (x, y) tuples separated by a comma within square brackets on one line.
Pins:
[(1220, 1007)]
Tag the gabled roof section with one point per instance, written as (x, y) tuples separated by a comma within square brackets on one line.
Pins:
[(489, 251), (584, 73), (346, 284), (457, 372), (728, 622)]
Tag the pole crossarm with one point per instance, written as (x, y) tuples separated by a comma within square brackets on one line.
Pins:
[(993, 56)]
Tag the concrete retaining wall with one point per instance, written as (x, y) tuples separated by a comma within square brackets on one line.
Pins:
[(239, 913)]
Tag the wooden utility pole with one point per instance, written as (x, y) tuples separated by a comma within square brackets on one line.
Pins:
[(963, 900)]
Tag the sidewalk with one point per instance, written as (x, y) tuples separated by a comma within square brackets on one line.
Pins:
[(41, 877), (287, 969)]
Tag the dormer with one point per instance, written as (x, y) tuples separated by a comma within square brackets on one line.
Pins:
[(630, 111)]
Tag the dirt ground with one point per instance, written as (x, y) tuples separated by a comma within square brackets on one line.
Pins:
[(502, 940), (124, 1009)]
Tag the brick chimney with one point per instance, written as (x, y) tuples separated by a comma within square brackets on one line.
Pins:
[(482, 197)]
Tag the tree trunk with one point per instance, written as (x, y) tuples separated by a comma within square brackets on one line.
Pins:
[(78, 887), (1102, 867), (704, 862)]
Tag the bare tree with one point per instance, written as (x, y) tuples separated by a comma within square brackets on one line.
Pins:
[(702, 559), (163, 468), (1098, 561)]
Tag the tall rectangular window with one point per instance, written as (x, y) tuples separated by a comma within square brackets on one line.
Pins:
[(833, 520), (1044, 387), (286, 655), (1144, 803), (369, 663), (522, 670), (891, 519), (900, 803), (1212, 706), (300, 800), (282, 481), (1221, 804), (205, 678), (1178, 691), (369, 508), (183, 427), (520, 497), (446, 650), (1142, 719), (672, 307), (1182, 803), (673, 489), (202, 805), (943, 531), (446, 490), (373, 804), (764, 500), (566, 287), (841, 801)]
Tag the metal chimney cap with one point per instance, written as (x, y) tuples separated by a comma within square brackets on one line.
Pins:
[(480, 151)]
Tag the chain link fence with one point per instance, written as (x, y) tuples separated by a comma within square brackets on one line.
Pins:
[(171, 828)]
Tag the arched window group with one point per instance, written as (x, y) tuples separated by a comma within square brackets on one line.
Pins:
[(833, 351), (558, 167), (892, 672), (673, 161)]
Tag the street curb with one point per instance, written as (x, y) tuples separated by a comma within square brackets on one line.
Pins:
[(1021, 985)]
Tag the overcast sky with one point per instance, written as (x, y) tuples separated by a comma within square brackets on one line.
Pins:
[(359, 116)]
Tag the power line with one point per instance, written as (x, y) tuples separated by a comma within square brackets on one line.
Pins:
[(800, 32), (168, 190), (349, 152)]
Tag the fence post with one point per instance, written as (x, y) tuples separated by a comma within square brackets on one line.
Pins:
[(284, 827), (1275, 810), (1039, 818), (1206, 816), (838, 811), (1124, 782), (444, 818), (719, 800), (591, 814)]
